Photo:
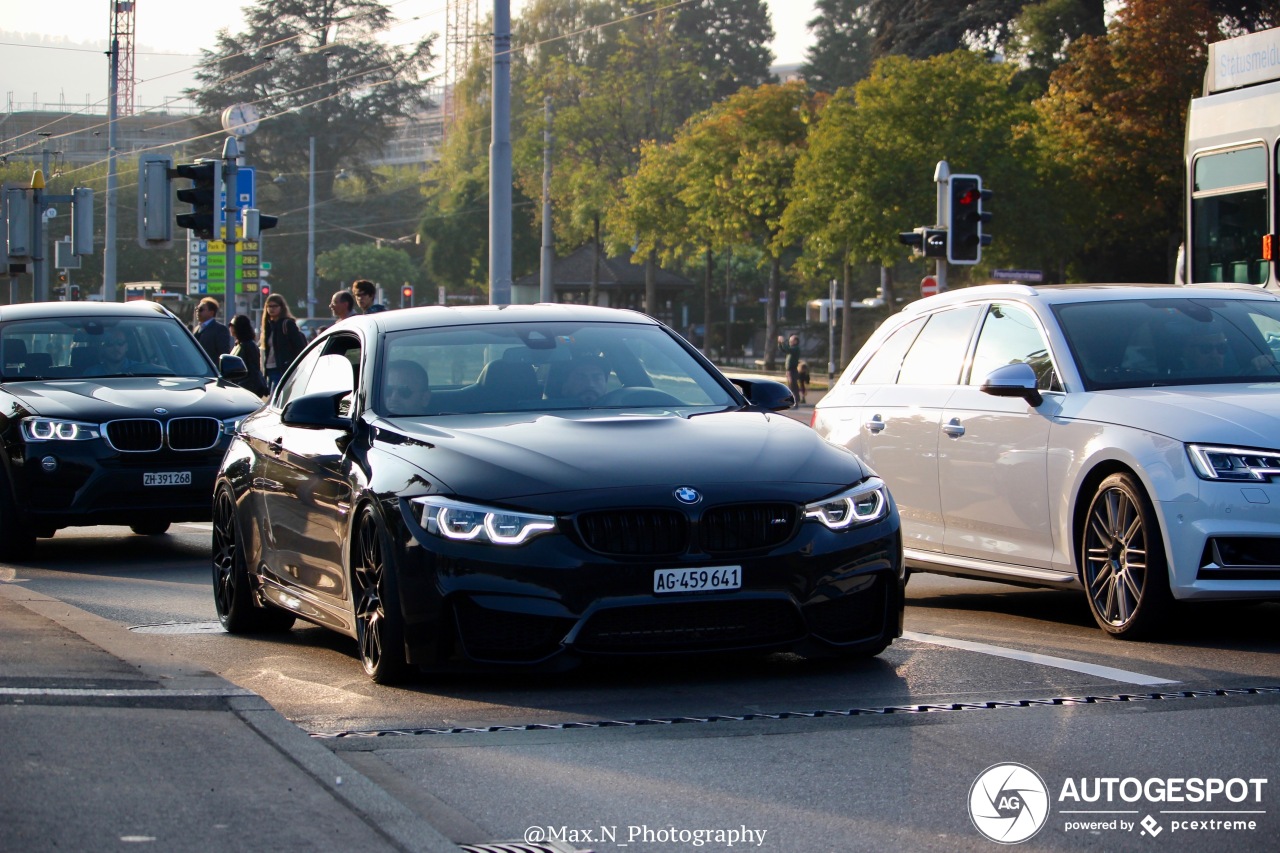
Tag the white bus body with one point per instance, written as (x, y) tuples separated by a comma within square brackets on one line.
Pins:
[(1233, 131)]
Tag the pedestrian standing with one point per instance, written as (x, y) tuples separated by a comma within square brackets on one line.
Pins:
[(790, 347), (343, 305), (281, 340), (247, 349), (802, 380), (212, 335), (365, 293)]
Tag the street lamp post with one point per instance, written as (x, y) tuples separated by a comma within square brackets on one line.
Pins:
[(311, 230)]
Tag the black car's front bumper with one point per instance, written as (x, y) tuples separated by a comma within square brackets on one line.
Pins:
[(67, 484), (551, 601)]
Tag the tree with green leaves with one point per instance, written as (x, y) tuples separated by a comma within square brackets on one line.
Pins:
[(315, 68), (382, 265), (1114, 119), (840, 54), (739, 161), (727, 41)]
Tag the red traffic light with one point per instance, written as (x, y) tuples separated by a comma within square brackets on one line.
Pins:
[(266, 290), (407, 291), (969, 196)]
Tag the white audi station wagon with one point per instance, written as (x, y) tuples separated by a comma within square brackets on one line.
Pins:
[(1124, 439)]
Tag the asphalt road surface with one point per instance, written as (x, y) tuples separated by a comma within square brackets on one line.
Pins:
[(773, 753)]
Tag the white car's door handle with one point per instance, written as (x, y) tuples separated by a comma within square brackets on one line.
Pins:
[(953, 428), (875, 423)]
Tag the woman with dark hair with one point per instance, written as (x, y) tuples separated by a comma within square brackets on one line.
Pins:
[(281, 339), (247, 348)]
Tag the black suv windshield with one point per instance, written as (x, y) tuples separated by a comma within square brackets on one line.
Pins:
[(95, 347)]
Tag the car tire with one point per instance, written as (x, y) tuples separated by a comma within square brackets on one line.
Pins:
[(376, 595), (17, 540), (150, 528), (233, 597), (1123, 565)]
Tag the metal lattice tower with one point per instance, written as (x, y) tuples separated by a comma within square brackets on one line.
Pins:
[(463, 17), (122, 30)]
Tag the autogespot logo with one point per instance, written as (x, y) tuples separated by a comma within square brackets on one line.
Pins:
[(1008, 803)]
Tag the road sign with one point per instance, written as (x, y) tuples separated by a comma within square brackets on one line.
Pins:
[(1018, 275), (928, 286)]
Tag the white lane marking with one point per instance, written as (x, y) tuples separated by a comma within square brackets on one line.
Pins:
[(114, 693), (1107, 672)]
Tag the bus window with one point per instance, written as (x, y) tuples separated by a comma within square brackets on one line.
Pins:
[(1229, 216)]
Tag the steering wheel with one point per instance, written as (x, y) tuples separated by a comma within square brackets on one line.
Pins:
[(637, 396)]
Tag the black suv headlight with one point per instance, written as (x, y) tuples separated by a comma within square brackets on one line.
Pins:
[(56, 429)]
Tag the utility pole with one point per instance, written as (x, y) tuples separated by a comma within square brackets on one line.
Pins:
[(941, 177), (500, 159), (546, 290), (311, 230), (109, 213)]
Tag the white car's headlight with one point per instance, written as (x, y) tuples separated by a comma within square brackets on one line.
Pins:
[(463, 521), (55, 429), (1234, 463), (864, 503)]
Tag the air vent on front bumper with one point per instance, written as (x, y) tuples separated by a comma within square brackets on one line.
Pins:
[(1240, 558)]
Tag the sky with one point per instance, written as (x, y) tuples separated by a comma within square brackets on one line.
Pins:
[(167, 40)]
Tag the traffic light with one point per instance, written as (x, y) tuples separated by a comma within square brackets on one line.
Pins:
[(926, 241), (265, 290), (73, 292), (155, 201), (255, 222), (406, 296), (204, 196), (967, 217)]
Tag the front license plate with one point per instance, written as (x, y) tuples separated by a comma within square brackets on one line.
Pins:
[(710, 579), (167, 478)]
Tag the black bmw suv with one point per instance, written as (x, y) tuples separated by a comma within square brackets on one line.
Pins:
[(109, 414)]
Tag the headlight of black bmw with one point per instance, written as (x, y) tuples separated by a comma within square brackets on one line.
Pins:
[(472, 522), (56, 429), (865, 503)]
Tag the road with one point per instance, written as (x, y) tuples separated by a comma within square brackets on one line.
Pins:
[(638, 756)]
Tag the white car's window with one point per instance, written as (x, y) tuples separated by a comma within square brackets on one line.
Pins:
[(938, 354), (883, 367), (1010, 335), (1143, 343)]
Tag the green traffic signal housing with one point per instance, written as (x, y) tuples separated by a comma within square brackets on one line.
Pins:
[(966, 200)]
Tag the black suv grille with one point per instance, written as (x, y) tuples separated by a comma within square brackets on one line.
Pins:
[(145, 435), (194, 433), (135, 436)]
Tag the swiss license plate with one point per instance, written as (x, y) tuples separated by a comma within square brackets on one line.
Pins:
[(167, 478), (713, 578)]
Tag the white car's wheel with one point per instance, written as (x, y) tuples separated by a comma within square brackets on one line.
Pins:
[(1125, 572)]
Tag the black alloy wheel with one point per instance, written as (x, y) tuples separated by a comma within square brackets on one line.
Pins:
[(1125, 572), (232, 596), (379, 623)]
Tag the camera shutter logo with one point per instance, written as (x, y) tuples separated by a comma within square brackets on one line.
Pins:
[(1008, 803)]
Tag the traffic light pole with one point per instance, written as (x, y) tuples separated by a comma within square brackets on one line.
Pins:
[(230, 158), (941, 176)]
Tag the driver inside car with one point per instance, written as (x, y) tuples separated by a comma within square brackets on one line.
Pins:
[(584, 382)]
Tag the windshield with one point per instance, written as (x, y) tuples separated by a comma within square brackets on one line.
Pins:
[(1158, 342), (541, 366), (96, 347)]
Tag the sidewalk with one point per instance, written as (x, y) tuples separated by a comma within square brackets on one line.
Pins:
[(108, 740)]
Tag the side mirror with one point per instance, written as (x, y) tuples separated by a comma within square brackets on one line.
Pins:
[(765, 394), (232, 367), (317, 411), (1013, 380)]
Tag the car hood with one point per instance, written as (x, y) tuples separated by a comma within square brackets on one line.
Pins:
[(100, 400), (1248, 415), (488, 459)]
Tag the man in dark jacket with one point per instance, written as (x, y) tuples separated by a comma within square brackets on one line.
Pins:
[(212, 335)]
